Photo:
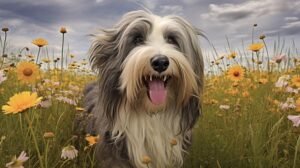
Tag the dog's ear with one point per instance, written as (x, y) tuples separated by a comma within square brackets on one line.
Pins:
[(103, 48)]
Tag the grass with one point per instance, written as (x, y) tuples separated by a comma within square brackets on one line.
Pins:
[(253, 132)]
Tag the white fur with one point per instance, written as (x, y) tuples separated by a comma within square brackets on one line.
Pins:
[(150, 135)]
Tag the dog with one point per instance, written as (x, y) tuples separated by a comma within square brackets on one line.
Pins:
[(148, 96)]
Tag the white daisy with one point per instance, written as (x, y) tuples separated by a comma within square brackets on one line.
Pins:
[(69, 152), (2, 76), (18, 162)]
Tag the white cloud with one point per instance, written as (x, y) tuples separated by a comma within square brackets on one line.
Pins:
[(248, 9), (291, 19), (291, 28)]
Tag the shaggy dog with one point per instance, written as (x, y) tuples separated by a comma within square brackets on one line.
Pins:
[(147, 98)]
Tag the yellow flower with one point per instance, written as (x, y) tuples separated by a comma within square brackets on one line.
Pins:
[(79, 109), (28, 72), (30, 56), (146, 160), (40, 42), (296, 80), (92, 139), (173, 142), (20, 102), (245, 94), (255, 47), (235, 73), (263, 81), (232, 55), (45, 60)]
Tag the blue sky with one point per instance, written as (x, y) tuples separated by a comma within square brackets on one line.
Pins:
[(29, 19)]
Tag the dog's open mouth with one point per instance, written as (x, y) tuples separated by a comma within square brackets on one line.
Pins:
[(156, 86)]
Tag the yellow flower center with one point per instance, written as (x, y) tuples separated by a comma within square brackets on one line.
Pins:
[(27, 71)]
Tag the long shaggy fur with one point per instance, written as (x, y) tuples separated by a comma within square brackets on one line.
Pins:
[(118, 107)]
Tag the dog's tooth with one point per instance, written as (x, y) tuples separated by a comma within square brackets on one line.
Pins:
[(150, 77), (165, 78)]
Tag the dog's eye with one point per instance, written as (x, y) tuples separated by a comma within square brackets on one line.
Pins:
[(138, 39), (172, 40)]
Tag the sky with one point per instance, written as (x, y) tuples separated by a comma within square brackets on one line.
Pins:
[(218, 19)]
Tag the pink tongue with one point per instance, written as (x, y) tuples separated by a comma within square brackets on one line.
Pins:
[(157, 92)]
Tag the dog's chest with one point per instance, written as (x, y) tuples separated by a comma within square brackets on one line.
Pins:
[(154, 136)]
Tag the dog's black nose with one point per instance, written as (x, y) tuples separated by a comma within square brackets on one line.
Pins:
[(160, 63)]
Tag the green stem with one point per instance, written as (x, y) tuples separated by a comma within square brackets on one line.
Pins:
[(62, 56), (3, 51), (296, 152), (257, 57), (35, 140), (46, 154), (38, 55), (267, 55)]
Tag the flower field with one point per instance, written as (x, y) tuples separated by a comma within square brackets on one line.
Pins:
[(250, 116)]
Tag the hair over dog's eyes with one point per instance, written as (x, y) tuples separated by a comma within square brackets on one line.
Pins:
[(138, 39), (172, 40)]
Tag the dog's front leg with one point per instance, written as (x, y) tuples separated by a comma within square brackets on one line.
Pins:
[(108, 156)]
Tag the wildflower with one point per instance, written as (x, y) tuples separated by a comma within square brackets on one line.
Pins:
[(262, 37), (46, 103), (45, 60), (282, 81), (40, 42), (30, 56), (232, 55), (245, 94), (224, 107), (146, 160), (79, 109), (63, 30), (263, 81), (28, 72), (295, 119), (92, 140), (69, 152), (236, 73), (48, 135), (289, 104), (296, 80), (291, 90), (255, 47), (18, 162), (173, 142), (5, 29), (279, 58), (66, 100), (2, 76), (221, 57), (20, 102)]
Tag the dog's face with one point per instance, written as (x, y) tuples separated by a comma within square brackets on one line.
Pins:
[(155, 61)]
